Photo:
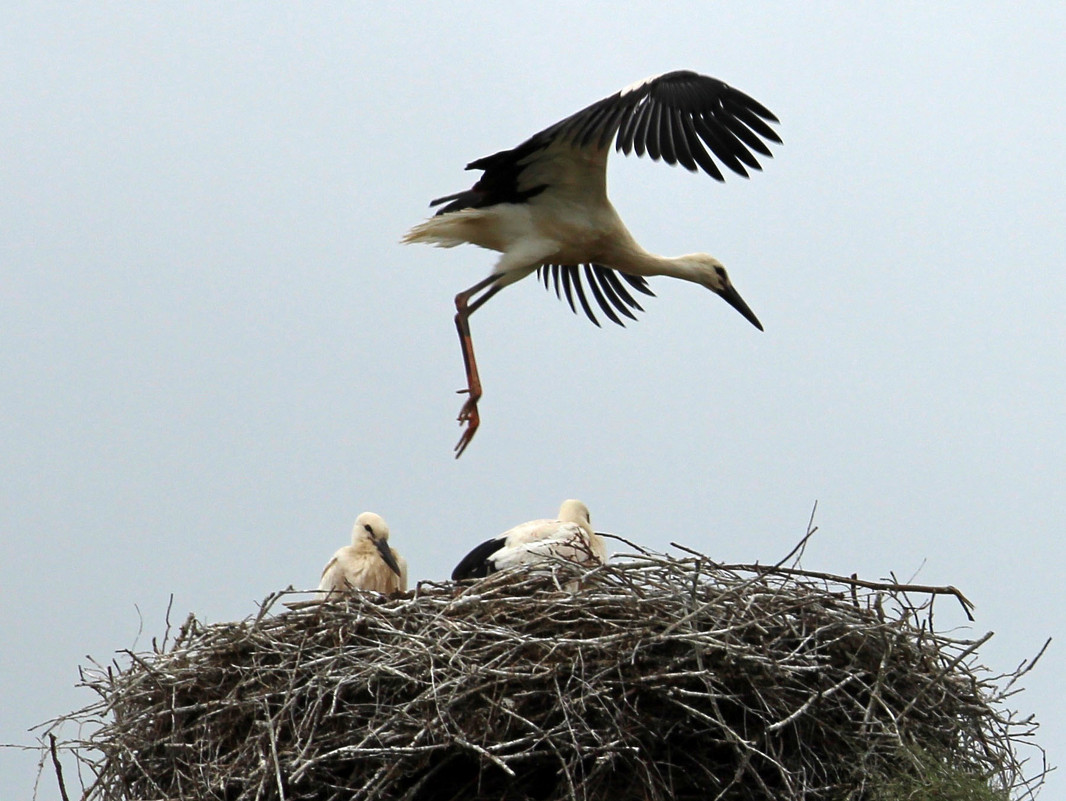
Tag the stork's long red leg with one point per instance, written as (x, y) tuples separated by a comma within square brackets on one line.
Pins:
[(468, 415)]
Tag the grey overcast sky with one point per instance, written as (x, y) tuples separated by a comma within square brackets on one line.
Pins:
[(215, 353)]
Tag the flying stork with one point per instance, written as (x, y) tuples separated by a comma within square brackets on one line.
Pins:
[(570, 537), (543, 205), (367, 564)]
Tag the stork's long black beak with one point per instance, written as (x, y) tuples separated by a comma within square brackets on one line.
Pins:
[(732, 297), (386, 555)]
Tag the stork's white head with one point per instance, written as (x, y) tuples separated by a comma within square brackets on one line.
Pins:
[(369, 527), (711, 273), (573, 511), (371, 531)]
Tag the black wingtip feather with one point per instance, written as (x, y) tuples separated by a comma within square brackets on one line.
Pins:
[(566, 285), (638, 283), (620, 295), (584, 301), (600, 299)]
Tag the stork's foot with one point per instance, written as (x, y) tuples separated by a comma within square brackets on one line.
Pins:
[(469, 417)]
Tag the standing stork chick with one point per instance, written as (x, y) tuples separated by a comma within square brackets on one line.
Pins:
[(543, 204), (570, 537), (367, 564)]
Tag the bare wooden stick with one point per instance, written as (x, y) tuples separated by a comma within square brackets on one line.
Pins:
[(58, 767)]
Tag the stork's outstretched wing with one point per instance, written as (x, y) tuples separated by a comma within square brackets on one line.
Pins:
[(677, 117), (681, 117)]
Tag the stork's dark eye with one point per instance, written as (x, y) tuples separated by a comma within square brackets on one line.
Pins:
[(368, 528), (721, 272)]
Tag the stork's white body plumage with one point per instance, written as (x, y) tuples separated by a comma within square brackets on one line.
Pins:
[(543, 205), (569, 537), (369, 563)]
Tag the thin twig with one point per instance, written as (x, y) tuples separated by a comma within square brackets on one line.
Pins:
[(58, 767)]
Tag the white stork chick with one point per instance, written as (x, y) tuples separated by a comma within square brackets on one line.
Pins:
[(543, 204), (570, 537), (367, 564)]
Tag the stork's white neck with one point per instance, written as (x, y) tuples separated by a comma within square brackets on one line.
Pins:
[(635, 260)]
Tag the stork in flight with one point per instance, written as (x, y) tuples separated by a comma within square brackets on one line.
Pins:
[(569, 537), (367, 564), (543, 205)]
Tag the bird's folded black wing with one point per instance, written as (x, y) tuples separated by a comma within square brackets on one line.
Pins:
[(477, 564), (610, 294)]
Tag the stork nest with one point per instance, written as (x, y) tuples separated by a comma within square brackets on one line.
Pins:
[(661, 678)]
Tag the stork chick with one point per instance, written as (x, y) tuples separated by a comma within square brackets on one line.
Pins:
[(569, 537), (367, 564)]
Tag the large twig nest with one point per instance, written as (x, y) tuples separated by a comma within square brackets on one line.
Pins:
[(659, 679)]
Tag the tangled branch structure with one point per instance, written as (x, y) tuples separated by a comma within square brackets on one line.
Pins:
[(661, 678)]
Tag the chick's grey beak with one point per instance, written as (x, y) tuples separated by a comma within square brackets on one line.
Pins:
[(732, 297), (386, 555)]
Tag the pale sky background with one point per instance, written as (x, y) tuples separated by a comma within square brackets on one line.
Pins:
[(215, 353)]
